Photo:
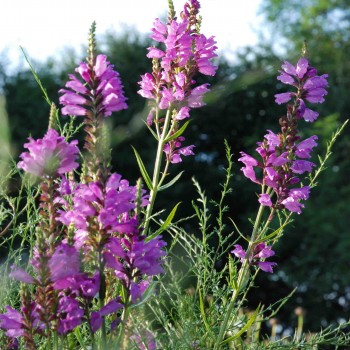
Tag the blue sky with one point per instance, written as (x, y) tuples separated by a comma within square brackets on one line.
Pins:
[(43, 27)]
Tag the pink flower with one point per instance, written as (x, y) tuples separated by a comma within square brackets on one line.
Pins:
[(260, 251), (97, 316), (311, 87), (102, 89), (183, 113), (12, 322), (69, 313), (49, 156), (265, 200), (195, 100)]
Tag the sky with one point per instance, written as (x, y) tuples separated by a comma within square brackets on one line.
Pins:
[(44, 27)]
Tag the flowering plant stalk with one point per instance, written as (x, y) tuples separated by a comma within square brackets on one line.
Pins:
[(170, 89), (281, 169)]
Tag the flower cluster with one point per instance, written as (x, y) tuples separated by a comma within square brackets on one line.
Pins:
[(260, 251), (284, 155), (49, 156), (132, 257), (108, 204), (186, 52), (310, 87), (173, 150), (97, 217), (99, 90), (280, 171)]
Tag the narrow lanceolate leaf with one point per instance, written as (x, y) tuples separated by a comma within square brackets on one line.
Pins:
[(37, 79), (165, 224), (201, 305), (152, 132), (170, 183), (143, 170), (177, 133), (232, 273), (245, 328), (273, 234), (80, 338)]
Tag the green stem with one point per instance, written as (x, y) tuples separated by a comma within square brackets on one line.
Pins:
[(123, 319), (55, 341), (242, 275), (102, 295), (156, 171)]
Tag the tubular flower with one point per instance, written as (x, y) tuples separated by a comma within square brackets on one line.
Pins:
[(70, 315), (310, 87), (12, 322), (260, 251), (280, 170), (97, 89), (284, 156), (174, 151), (109, 204), (49, 156), (185, 52), (132, 257)]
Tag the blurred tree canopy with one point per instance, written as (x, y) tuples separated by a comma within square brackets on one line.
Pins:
[(314, 252)]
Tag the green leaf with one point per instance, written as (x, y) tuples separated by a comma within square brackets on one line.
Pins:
[(232, 272), (170, 183), (80, 338), (152, 131), (165, 224), (244, 329), (177, 133), (143, 170), (201, 306), (36, 77), (273, 234)]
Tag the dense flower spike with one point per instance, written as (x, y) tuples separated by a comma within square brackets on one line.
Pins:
[(283, 155), (185, 53), (109, 204), (132, 257), (260, 251), (98, 90), (310, 87), (49, 156), (280, 170)]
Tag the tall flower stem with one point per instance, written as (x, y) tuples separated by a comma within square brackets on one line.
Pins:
[(102, 295), (242, 276), (157, 168)]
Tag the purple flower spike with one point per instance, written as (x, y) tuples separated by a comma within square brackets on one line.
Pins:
[(99, 86), (310, 86), (49, 156)]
